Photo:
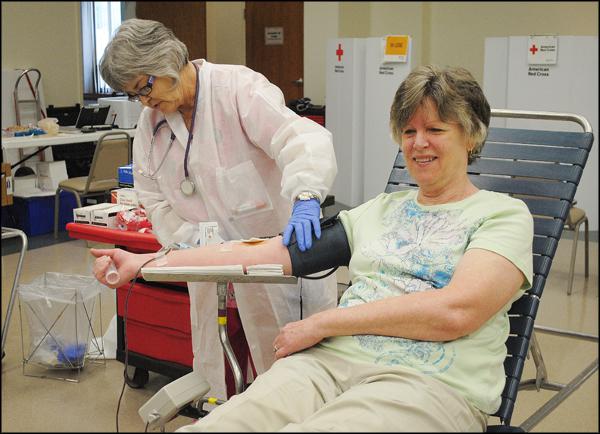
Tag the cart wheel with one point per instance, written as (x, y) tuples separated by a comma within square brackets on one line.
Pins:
[(139, 380)]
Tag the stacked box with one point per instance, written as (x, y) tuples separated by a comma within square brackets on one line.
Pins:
[(124, 196), (107, 217), (84, 214), (50, 174), (126, 176)]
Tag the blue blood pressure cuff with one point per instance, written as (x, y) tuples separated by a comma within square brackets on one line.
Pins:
[(331, 250)]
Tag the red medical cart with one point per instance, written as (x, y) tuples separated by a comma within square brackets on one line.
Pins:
[(158, 316)]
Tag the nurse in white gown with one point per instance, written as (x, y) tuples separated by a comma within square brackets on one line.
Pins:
[(216, 143)]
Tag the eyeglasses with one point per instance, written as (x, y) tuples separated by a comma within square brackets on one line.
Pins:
[(144, 91)]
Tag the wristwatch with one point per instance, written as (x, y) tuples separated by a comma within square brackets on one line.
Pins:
[(307, 195)]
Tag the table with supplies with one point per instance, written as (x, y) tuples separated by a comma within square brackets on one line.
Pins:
[(62, 138), (33, 210)]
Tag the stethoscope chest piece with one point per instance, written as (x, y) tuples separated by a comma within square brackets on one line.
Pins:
[(187, 187)]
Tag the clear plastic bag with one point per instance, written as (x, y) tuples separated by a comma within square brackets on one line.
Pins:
[(49, 125), (59, 309)]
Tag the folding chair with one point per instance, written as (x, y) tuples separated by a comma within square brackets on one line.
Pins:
[(543, 168), (111, 152), (575, 218)]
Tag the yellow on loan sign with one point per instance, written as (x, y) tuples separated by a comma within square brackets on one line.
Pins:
[(396, 45)]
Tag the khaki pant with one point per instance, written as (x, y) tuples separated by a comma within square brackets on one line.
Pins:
[(318, 391)]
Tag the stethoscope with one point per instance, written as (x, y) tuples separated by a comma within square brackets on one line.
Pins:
[(186, 186)]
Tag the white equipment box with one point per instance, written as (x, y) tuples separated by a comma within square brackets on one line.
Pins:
[(125, 113)]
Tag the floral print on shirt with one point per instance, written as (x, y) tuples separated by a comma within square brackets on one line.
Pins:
[(417, 252)]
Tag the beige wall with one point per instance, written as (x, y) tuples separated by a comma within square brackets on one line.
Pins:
[(225, 32), (321, 22), (453, 33), (458, 29), (354, 19), (405, 18), (46, 36)]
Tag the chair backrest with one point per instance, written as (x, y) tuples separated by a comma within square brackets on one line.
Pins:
[(543, 168), (113, 150)]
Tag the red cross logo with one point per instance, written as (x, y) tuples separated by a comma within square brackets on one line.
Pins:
[(339, 52), (533, 49)]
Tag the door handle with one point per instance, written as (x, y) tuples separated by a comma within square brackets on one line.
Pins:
[(298, 82)]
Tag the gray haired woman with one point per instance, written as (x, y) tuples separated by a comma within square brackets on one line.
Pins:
[(216, 143)]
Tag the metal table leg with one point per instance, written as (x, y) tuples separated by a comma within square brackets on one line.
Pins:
[(12, 233), (224, 338)]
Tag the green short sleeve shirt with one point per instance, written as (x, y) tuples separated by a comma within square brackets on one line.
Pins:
[(400, 246)]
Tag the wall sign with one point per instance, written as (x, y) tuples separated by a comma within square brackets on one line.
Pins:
[(542, 50), (273, 35), (395, 49)]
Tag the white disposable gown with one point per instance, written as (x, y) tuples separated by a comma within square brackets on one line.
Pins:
[(249, 157)]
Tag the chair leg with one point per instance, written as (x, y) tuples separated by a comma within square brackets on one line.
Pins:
[(541, 374), (573, 257), (78, 199), (56, 211), (587, 247)]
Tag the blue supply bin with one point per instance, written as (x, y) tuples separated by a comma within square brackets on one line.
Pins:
[(126, 176), (35, 215)]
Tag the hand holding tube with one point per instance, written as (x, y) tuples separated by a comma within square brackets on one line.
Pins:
[(112, 275), (115, 267)]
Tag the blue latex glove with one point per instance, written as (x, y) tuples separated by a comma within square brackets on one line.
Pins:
[(304, 214)]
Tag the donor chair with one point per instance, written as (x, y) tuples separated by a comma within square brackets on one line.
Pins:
[(543, 168)]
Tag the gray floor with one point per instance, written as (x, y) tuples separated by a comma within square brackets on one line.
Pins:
[(32, 404)]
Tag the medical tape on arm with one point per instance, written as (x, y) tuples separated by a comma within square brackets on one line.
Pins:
[(227, 247)]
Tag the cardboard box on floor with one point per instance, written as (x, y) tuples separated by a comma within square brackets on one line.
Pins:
[(50, 174), (7, 185)]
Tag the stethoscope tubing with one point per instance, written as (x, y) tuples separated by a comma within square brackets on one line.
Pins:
[(151, 175), (191, 132), (190, 187)]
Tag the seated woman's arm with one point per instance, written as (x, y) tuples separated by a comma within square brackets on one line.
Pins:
[(268, 251), (482, 284)]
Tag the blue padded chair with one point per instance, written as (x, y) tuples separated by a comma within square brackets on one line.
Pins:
[(543, 168)]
